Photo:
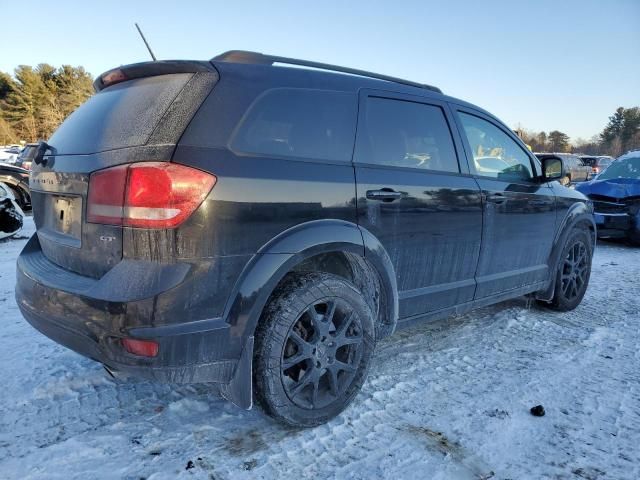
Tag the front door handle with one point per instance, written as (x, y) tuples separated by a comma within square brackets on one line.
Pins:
[(496, 198), (384, 194)]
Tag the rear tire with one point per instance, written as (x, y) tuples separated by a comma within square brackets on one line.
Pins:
[(573, 271), (313, 348)]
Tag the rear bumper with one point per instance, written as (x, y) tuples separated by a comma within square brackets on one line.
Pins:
[(189, 352)]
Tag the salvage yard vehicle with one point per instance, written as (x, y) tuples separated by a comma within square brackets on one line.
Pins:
[(575, 169), (597, 163), (26, 156), (616, 198), (224, 221), (11, 215), (17, 179)]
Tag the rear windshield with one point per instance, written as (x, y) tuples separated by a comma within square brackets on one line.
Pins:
[(123, 115)]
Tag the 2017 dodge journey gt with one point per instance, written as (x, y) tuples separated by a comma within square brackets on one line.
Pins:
[(242, 222)]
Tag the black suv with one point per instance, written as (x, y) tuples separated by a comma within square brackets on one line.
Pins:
[(262, 227)]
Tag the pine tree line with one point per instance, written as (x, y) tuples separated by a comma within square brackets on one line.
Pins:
[(621, 134), (35, 101)]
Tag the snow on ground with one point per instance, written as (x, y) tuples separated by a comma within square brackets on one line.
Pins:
[(444, 400)]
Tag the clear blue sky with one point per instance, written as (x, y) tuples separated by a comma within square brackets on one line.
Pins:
[(550, 64)]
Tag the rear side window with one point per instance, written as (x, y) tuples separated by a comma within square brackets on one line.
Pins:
[(123, 115), (301, 123), (406, 134)]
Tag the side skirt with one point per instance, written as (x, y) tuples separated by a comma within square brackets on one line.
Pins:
[(468, 306)]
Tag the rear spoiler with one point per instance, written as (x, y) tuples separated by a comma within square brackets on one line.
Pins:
[(150, 69)]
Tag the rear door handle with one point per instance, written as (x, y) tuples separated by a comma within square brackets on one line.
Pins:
[(384, 194), (496, 198)]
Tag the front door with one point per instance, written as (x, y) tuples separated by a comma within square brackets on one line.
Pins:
[(519, 211), (416, 197)]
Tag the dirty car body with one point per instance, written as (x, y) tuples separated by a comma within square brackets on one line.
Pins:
[(288, 186)]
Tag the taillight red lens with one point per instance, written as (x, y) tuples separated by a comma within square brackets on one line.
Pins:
[(147, 194), (106, 195), (144, 348)]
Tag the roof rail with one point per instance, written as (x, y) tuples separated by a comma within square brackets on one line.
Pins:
[(244, 56)]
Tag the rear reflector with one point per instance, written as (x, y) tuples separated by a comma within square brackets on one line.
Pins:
[(146, 194), (144, 348)]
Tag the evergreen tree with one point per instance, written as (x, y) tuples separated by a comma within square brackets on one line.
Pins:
[(558, 141), (38, 100), (613, 129)]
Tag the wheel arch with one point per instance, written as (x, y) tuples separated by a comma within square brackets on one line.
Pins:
[(312, 242), (578, 215), (334, 246)]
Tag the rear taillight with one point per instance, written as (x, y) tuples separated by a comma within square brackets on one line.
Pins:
[(595, 169), (143, 348), (146, 194)]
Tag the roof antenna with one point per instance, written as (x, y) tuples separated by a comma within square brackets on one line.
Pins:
[(145, 42)]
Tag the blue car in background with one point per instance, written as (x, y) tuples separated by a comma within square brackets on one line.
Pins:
[(616, 198)]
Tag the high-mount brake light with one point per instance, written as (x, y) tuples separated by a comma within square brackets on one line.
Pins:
[(112, 77), (146, 194)]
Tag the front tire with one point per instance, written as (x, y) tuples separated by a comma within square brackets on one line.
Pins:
[(313, 348), (573, 271)]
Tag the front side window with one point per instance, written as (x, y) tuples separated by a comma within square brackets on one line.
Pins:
[(301, 123), (495, 154), (406, 134)]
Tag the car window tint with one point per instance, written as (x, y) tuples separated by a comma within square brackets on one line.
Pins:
[(495, 153), (289, 122), (406, 134)]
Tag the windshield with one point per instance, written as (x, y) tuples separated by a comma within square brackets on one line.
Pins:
[(627, 168)]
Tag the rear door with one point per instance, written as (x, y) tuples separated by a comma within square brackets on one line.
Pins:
[(519, 211), (121, 124), (415, 194)]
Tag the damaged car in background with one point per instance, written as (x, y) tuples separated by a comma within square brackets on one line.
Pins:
[(616, 198), (11, 215), (17, 180)]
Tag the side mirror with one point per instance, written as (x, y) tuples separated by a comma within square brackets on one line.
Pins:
[(552, 169)]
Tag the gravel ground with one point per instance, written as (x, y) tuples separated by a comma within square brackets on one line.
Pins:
[(444, 400)]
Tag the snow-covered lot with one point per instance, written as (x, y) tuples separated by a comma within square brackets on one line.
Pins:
[(444, 400)]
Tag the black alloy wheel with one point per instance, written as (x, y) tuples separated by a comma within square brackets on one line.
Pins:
[(575, 270), (321, 354), (313, 347)]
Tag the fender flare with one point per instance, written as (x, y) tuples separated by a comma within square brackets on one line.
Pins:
[(278, 257), (578, 213)]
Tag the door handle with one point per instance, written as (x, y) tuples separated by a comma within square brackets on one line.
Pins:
[(384, 194), (496, 198)]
